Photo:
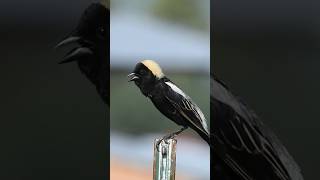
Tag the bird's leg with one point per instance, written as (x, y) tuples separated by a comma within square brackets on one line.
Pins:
[(174, 134), (171, 135)]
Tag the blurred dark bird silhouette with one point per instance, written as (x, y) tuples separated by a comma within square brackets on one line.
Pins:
[(92, 53), (243, 147)]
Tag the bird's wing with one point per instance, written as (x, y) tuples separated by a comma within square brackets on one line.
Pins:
[(240, 136), (186, 107), (239, 129)]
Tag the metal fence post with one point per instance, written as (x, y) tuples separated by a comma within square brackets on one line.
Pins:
[(164, 160)]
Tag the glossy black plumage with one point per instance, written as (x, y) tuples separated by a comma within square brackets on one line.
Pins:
[(170, 100), (243, 147), (92, 36)]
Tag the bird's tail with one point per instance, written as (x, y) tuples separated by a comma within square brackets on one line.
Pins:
[(205, 136)]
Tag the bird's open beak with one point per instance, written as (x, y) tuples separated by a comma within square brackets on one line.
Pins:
[(75, 53), (132, 77), (67, 41)]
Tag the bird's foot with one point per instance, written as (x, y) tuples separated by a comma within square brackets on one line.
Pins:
[(169, 136), (165, 139)]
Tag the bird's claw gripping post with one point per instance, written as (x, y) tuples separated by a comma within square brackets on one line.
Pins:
[(165, 140), (164, 162), (169, 136)]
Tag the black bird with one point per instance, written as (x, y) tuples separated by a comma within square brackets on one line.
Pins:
[(170, 100), (243, 147), (92, 36)]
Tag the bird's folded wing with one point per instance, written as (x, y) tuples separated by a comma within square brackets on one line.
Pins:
[(245, 136), (240, 129), (186, 107)]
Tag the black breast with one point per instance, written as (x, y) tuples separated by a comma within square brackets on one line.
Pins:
[(158, 98)]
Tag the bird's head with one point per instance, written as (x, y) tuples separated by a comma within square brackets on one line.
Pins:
[(146, 73), (90, 35)]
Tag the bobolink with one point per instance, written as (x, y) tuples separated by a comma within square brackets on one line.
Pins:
[(92, 35), (243, 147), (170, 100)]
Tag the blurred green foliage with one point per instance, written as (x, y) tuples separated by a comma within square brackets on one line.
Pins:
[(184, 12), (131, 112)]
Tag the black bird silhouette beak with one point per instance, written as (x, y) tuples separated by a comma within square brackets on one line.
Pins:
[(67, 41), (132, 77), (76, 53)]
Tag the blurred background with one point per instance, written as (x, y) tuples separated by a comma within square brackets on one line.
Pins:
[(177, 35), (268, 53), (52, 121)]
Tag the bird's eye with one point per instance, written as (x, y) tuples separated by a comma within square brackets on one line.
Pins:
[(142, 72), (101, 32)]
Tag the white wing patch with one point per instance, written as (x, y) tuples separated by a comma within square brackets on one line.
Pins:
[(203, 119), (176, 89), (191, 106)]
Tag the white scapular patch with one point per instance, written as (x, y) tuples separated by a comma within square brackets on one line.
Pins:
[(202, 118), (176, 89), (153, 67), (191, 105)]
